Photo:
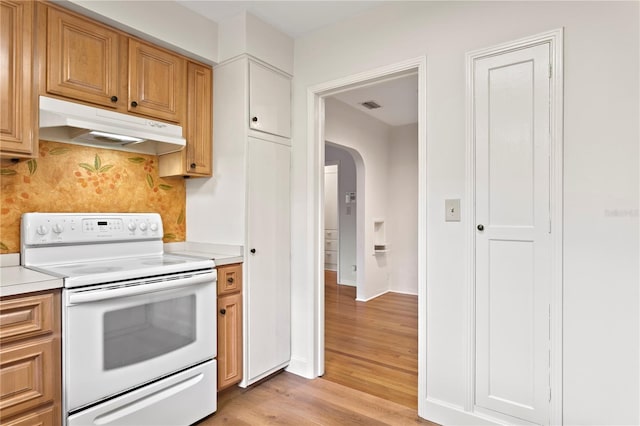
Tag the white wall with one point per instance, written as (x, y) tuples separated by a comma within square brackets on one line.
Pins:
[(244, 33), (347, 182), (166, 23), (402, 224), (601, 181), (351, 128)]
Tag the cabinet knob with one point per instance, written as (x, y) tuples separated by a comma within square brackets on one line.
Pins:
[(192, 165), (230, 280), (254, 119), (480, 227), (134, 104), (114, 99), (253, 251), (223, 311)]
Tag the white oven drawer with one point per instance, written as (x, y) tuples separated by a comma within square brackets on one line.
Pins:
[(118, 337), (181, 399)]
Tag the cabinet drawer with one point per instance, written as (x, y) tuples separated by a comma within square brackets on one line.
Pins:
[(331, 245), (331, 234), (26, 317), (25, 376), (229, 278), (47, 416), (330, 256)]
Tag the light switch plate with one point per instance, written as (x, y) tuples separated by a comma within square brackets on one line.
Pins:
[(452, 210)]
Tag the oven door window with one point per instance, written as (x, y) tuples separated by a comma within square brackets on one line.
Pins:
[(139, 333)]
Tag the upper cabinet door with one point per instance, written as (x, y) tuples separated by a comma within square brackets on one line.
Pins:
[(18, 109), (269, 101), (199, 120), (156, 82), (82, 60)]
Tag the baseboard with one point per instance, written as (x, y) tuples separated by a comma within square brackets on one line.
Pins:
[(300, 367), (350, 283), (444, 413), (372, 297)]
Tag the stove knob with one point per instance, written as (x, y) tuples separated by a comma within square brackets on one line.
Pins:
[(154, 227), (131, 226), (143, 226), (42, 230), (57, 228)]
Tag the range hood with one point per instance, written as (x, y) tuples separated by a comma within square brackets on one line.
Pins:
[(69, 122)]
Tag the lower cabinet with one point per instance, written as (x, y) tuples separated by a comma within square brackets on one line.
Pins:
[(229, 325), (30, 359)]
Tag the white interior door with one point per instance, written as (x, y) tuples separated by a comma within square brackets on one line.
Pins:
[(267, 289), (513, 250)]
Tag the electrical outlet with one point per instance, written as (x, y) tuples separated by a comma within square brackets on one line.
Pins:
[(452, 210)]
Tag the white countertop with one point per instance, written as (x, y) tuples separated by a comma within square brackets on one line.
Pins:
[(18, 280), (222, 254)]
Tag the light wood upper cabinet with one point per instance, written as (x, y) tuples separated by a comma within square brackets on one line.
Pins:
[(156, 82), (196, 159), (94, 63), (83, 60), (18, 106)]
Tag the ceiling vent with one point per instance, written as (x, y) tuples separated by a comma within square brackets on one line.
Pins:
[(370, 105)]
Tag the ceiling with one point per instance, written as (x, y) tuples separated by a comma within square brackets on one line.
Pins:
[(398, 99), (294, 18)]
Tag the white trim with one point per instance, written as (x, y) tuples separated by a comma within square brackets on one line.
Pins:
[(315, 126), (445, 413), (555, 40)]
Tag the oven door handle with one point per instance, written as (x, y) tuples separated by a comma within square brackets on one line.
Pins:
[(151, 286)]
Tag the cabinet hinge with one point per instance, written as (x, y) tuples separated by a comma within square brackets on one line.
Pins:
[(550, 70)]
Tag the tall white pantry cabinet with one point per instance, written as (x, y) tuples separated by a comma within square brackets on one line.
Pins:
[(251, 131)]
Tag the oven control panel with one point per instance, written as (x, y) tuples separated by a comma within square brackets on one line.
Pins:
[(66, 228)]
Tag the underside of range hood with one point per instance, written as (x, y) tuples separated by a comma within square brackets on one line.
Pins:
[(69, 122)]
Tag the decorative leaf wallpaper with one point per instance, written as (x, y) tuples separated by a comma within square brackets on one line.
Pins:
[(73, 178)]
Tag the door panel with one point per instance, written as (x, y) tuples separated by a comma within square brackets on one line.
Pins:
[(511, 130), (156, 82), (268, 292), (269, 101), (82, 59)]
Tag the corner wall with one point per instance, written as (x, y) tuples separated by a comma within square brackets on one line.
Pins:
[(402, 229)]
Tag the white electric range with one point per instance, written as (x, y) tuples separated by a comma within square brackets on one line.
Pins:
[(139, 325)]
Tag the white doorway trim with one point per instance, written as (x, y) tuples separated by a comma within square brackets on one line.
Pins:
[(315, 135), (555, 40)]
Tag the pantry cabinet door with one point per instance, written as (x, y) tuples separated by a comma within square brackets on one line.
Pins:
[(268, 288), (269, 101)]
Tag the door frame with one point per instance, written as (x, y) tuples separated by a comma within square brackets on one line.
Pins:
[(555, 40), (315, 135)]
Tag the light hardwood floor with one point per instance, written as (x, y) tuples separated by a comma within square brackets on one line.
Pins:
[(372, 346), (287, 399), (370, 378)]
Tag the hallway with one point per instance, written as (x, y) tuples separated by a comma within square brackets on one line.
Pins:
[(372, 346)]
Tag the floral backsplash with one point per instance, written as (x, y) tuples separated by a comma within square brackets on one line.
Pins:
[(73, 178)]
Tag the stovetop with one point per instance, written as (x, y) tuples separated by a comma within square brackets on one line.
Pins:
[(109, 270)]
